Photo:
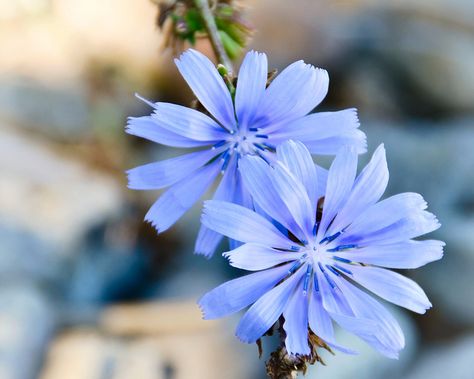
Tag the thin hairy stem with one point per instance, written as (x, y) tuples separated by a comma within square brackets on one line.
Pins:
[(214, 37)]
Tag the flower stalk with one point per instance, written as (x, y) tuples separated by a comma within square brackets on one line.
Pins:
[(213, 33)]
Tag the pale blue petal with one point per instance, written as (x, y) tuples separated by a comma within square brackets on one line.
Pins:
[(331, 145), (298, 159), (242, 224), (293, 194), (251, 84), (387, 212), (296, 323), (368, 188), (257, 179), (207, 239), (267, 309), (236, 294), (188, 122), (349, 313), (321, 324), (208, 86), (415, 225), (406, 254), (207, 242), (324, 126), (391, 286), (292, 94), (180, 197), (253, 257), (398, 218), (388, 337), (339, 184), (146, 127), (241, 197), (162, 174), (333, 300), (234, 244)]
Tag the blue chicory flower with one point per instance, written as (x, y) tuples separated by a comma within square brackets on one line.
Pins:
[(312, 273), (253, 123)]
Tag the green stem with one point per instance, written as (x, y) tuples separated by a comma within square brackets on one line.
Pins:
[(214, 37)]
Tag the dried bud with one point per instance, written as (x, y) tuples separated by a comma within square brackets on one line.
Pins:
[(282, 365)]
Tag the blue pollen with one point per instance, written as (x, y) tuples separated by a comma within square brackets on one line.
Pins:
[(341, 259), (259, 146), (342, 247), (295, 266), (315, 228), (226, 161), (261, 155), (261, 136), (321, 267), (219, 144), (295, 248), (333, 270), (269, 146), (316, 284), (340, 268), (330, 238), (225, 154), (329, 279), (253, 129), (309, 272)]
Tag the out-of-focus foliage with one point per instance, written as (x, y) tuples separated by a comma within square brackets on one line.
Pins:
[(181, 22)]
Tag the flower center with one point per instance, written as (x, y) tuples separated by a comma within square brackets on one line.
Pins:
[(249, 141), (322, 257)]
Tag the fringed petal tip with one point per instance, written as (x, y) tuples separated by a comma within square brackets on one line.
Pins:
[(228, 256), (130, 179), (245, 339), (131, 120), (153, 224), (202, 309), (358, 136), (207, 303), (205, 254)]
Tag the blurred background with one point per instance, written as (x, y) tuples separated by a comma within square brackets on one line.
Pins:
[(89, 291)]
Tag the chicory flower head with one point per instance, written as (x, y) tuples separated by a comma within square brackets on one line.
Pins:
[(251, 123), (312, 258)]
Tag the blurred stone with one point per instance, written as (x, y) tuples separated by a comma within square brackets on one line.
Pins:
[(154, 318), (26, 325), (62, 113), (66, 35), (150, 341), (453, 360), (424, 48), (369, 364), (49, 195), (23, 254), (80, 354), (101, 275), (435, 159)]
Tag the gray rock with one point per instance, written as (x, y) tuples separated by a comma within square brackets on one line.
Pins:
[(62, 113), (445, 361), (26, 326), (24, 255), (422, 48), (50, 195)]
